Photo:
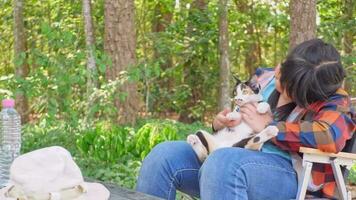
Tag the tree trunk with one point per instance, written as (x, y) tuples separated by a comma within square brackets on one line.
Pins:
[(120, 45), (348, 15), (200, 4), (303, 21), (348, 12), (161, 19), (224, 89), (92, 82), (90, 45), (21, 66), (253, 50), (251, 54)]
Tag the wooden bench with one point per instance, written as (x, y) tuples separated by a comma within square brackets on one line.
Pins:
[(119, 193)]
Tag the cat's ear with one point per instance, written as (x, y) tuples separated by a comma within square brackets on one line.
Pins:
[(251, 81), (238, 81), (256, 88)]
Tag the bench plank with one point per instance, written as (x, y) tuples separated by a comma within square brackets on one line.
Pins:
[(119, 193)]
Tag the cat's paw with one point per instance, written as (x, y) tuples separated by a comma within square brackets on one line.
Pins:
[(263, 107), (267, 133), (198, 147), (193, 139), (272, 131), (233, 116)]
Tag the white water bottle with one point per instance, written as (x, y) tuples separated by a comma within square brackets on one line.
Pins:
[(10, 138)]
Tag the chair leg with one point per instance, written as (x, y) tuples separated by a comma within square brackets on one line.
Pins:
[(302, 187), (340, 180)]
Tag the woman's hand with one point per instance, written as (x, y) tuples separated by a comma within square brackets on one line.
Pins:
[(255, 120), (221, 120)]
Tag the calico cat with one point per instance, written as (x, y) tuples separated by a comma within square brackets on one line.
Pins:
[(241, 135)]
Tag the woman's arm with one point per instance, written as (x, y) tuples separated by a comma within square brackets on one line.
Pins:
[(221, 121), (327, 131)]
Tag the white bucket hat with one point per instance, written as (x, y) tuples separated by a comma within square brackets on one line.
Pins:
[(49, 174)]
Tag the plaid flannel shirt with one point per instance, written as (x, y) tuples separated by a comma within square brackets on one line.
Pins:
[(323, 125)]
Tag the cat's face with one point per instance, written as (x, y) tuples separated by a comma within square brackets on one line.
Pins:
[(247, 92)]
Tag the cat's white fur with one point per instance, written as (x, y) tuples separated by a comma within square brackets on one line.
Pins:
[(227, 137)]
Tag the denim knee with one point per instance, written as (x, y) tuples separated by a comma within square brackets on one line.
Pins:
[(225, 162), (162, 153), (215, 166), (235, 173), (169, 166), (165, 153)]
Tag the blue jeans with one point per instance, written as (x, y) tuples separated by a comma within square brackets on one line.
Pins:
[(228, 173)]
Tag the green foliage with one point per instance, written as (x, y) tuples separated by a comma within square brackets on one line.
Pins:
[(6, 39), (151, 134), (183, 129), (99, 157), (46, 134), (123, 173), (5, 93), (333, 26), (177, 68), (352, 175), (105, 154), (178, 57), (177, 72), (106, 151), (104, 143)]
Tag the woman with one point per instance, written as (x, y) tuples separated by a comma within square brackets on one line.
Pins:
[(311, 109)]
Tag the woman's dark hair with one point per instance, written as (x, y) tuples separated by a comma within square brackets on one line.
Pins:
[(312, 72), (280, 113)]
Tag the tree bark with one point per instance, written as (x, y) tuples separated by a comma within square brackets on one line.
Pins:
[(161, 19), (348, 12), (348, 15), (303, 21), (92, 82), (21, 66), (200, 4), (251, 54), (90, 45), (120, 45), (253, 50), (224, 89)]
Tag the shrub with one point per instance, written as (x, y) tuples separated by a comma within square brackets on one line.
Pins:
[(150, 135), (105, 143), (109, 152)]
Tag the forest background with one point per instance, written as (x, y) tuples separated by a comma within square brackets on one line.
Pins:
[(109, 79)]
